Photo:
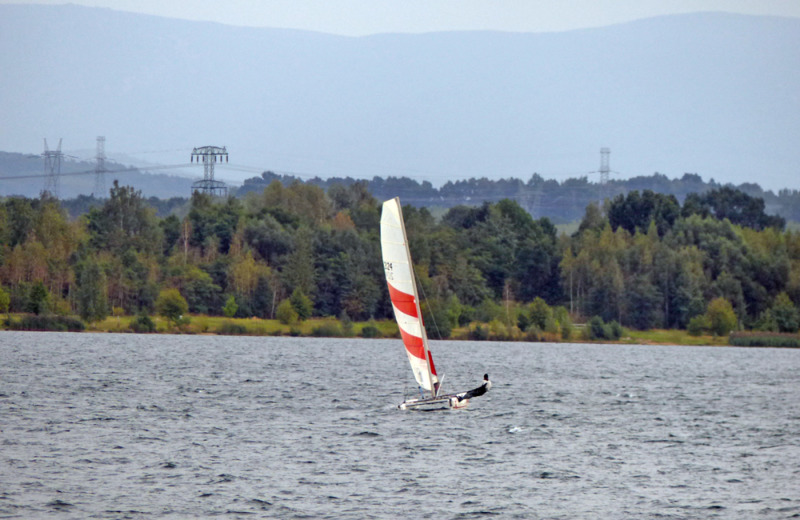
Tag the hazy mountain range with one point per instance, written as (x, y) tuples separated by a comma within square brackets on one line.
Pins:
[(713, 94), (23, 174)]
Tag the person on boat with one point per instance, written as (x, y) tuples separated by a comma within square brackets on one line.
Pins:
[(435, 390), (485, 386)]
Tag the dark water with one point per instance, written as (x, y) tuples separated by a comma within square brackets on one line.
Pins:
[(127, 426)]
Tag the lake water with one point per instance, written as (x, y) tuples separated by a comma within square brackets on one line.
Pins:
[(136, 426)]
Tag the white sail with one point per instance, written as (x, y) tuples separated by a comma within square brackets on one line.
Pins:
[(403, 293)]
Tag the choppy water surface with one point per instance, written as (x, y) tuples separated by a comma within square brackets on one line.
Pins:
[(128, 426)]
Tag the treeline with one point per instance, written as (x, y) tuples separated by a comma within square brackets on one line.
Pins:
[(562, 202), (295, 251)]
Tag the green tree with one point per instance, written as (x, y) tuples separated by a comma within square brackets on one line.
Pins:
[(721, 318), (354, 198), (90, 296), (681, 271), (38, 298), (437, 322), (643, 302), (698, 325), (213, 225), (243, 275), (142, 324), (202, 294), (734, 205), (360, 298), (131, 278), (539, 312), (306, 202), (269, 238), (302, 304), (465, 217), (171, 305), (593, 219), (785, 314), (596, 328), (348, 273), (58, 239), (299, 270), (171, 231), (536, 272), (124, 222), (286, 314), (230, 308), (489, 310), (766, 270), (635, 212), (729, 287), (467, 282), (263, 297), (605, 282), (5, 302)]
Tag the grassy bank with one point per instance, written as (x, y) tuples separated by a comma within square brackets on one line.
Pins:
[(671, 337), (331, 327), (250, 327)]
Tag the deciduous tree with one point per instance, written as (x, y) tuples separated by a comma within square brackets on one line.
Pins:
[(171, 305), (721, 317), (90, 294)]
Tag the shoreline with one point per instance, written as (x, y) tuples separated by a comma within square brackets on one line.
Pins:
[(387, 329), (375, 329), (696, 341)]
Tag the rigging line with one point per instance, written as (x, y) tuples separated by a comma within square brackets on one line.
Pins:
[(430, 309)]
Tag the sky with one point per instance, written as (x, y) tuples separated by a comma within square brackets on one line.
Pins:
[(363, 17), (366, 17)]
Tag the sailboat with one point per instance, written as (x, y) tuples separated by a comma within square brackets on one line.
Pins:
[(405, 300)]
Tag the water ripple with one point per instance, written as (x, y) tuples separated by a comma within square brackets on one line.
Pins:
[(129, 426)]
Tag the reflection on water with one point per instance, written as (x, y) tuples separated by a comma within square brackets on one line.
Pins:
[(129, 426)]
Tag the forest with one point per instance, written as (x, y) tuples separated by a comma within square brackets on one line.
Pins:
[(562, 202), (641, 260)]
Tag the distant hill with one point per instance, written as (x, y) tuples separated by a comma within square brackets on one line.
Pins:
[(23, 174), (711, 93)]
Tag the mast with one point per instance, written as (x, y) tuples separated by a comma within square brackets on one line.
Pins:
[(423, 334)]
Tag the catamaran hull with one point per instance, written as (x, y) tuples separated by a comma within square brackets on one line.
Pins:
[(434, 403)]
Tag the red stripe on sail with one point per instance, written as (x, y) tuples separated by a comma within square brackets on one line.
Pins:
[(430, 361), (413, 344), (404, 302)]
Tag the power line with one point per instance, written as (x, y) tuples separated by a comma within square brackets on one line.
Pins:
[(92, 172)]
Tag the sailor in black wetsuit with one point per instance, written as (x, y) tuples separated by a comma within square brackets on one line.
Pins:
[(477, 391)]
